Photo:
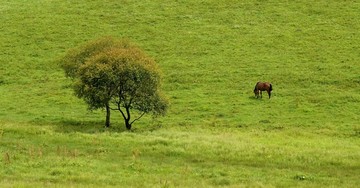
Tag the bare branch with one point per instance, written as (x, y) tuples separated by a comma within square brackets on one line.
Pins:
[(138, 117), (119, 108)]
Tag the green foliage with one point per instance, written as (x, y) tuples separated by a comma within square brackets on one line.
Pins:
[(107, 72), (78, 56)]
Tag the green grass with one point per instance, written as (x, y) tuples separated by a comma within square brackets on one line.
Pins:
[(211, 54)]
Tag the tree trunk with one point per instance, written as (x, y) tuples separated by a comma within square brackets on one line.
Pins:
[(127, 120), (107, 121), (127, 124), (126, 116)]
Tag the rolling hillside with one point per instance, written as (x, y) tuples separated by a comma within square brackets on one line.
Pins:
[(211, 54)]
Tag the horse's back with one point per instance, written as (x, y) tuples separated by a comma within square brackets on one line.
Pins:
[(263, 86)]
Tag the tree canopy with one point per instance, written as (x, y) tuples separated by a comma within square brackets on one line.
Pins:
[(116, 75)]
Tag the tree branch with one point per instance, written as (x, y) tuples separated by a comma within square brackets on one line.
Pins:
[(138, 118), (119, 108), (113, 108)]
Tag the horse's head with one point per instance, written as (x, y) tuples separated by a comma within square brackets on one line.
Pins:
[(256, 92)]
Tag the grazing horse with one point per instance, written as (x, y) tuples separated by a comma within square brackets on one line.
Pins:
[(262, 86)]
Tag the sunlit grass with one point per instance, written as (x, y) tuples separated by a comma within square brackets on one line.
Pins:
[(211, 54)]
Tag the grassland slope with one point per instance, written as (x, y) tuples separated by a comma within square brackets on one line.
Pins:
[(211, 54)]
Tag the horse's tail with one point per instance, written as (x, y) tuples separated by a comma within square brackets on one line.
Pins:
[(270, 87)]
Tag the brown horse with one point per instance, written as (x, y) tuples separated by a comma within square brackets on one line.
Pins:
[(262, 86)]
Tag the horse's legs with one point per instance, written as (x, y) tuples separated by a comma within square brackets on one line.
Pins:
[(261, 93), (269, 93)]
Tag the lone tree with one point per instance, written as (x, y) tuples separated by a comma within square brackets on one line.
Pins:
[(115, 75)]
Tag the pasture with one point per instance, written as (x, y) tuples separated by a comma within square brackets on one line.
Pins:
[(215, 133)]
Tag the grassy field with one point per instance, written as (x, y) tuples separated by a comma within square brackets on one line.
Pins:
[(211, 54)]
